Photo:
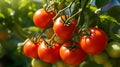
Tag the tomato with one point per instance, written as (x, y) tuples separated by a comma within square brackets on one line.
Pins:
[(60, 63), (38, 63), (63, 31), (101, 58), (30, 49), (49, 54), (113, 49), (42, 18), (108, 64), (95, 42), (72, 56), (3, 34)]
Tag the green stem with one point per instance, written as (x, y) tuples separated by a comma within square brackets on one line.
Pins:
[(67, 21), (63, 10), (52, 38)]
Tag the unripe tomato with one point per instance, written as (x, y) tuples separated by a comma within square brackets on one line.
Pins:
[(95, 42), (108, 64), (113, 49), (39, 63), (42, 18), (101, 58)]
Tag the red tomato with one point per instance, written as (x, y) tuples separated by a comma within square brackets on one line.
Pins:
[(72, 56), (94, 43), (42, 18), (3, 34), (63, 31), (30, 49), (49, 54)]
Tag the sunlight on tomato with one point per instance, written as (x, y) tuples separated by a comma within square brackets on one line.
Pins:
[(39, 63), (62, 30), (73, 56), (49, 54), (113, 49), (95, 42), (30, 49), (42, 18)]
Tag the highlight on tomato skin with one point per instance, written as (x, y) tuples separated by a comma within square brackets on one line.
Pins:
[(95, 42), (30, 49), (42, 18), (63, 30), (73, 56), (47, 53)]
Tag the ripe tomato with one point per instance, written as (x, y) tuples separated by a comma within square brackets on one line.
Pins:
[(3, 34), (72, 56), (95, 42), (42, 18), (63, 31), (49, 54), (30, 49)]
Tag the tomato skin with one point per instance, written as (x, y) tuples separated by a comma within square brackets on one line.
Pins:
[(113, 49), (49, 54), (63, 31), (38, 63), (30, 49), (42, 18), (72, 56), (3, 34), (95, 43)]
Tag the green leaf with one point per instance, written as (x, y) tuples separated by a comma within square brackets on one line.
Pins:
[(2, 15), (106, 17), (114, 12)]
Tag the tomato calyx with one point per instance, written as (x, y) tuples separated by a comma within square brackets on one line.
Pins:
[(49, 43), (71, 45), (85, 32), (67, 20)]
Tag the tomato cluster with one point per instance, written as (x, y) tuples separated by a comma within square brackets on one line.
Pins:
[(69, 37), (59, 42)]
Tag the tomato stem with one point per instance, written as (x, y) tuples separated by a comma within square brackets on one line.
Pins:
[(36, 37), (67, 21), (52, 38), (63, 10)]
